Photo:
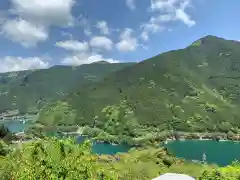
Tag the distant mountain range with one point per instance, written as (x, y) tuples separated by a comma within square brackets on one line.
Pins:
[(31, 89), (191, 89)]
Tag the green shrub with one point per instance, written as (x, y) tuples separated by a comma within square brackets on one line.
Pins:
[(226, 173), (52, 159)]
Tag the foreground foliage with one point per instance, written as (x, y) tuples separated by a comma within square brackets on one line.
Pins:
[(5, 134), (53, 159), (231, 172), (63, 159)]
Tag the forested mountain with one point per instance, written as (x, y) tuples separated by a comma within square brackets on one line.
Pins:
[(31, 89), (191, 89)]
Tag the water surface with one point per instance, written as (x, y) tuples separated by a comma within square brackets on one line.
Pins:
[(98, 147), (105, 148), (14, 125), (222, 153)]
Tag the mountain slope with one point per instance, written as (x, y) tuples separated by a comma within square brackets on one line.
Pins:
[(191, 89), (32, 89)]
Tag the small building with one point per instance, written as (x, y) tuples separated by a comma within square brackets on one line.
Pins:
[(173, 176)]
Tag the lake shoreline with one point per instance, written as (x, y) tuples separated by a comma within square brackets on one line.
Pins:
[(221, 153), (217, 136), (154, 138)]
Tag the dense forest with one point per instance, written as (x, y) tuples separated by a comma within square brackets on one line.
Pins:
[(190, 90), (28, 90)]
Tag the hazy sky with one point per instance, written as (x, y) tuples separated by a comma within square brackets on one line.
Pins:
[(42, 33)]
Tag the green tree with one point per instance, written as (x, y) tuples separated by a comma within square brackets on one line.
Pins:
[(120, 119), (52, 159)]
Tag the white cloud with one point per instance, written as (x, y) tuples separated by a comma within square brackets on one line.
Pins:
[(167, 11), (101, 42), (10, 63), (131, 4), (73, 45), (33, 19), (23, 32), (163, 18), (102, 25), (182, 15), (125, 46), (163, 5), (85, 58), (144, 35), (174, 9), (127, 41), (153, 26), (48, 12)]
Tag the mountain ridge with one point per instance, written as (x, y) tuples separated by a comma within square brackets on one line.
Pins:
[(26, 89), (174, 90)]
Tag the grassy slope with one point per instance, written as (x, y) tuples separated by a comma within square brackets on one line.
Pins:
[(27, 89), (192, 89)]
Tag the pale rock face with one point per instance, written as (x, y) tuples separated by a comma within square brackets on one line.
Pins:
[(173, 176)]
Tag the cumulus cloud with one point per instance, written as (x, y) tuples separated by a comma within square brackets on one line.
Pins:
[(10, 63), (101, 42), (144, 35), (48, 12), (153, 26), (73, 45), (182, 15), (85, 58), (102, 25), (167, 5), (166, 11), (174, 9), (127, 41), (23, 32), (33, 19), (131, 4)]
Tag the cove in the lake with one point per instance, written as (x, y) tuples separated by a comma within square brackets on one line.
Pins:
[(221, 153), (105, 148), (98, 147), (14, 125)]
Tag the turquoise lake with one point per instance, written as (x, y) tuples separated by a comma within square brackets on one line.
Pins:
[(105, 148), (221, 153), (14, 125), (98, 148)]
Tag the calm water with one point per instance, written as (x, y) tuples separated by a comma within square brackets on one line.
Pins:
[(221, 153), (104, 148), (99, 148), (14, 125)]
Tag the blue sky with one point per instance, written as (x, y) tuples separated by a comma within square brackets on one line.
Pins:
[(42, 33)]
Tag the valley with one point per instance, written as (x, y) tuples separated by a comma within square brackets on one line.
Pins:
[(130, 108)]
